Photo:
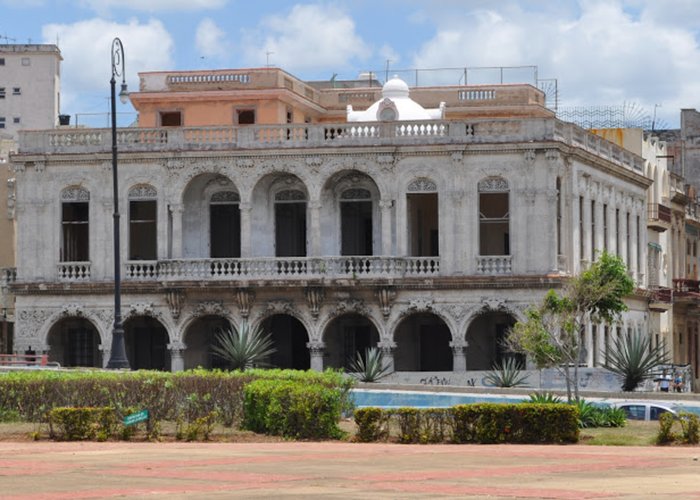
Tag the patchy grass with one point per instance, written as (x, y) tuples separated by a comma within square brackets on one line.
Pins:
[(635, 433)]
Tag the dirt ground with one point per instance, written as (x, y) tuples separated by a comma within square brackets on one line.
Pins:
[(172, 470)]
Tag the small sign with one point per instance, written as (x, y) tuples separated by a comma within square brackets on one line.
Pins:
[(135, 418)]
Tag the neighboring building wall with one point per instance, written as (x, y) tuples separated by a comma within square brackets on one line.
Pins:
[(30, 83)]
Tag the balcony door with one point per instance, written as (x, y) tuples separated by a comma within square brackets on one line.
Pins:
[(356, 222), (225, 225), (290, 223)]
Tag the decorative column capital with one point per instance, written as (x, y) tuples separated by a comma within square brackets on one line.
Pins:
[(316, 348)]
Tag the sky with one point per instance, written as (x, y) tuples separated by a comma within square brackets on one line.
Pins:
[(643, 54)]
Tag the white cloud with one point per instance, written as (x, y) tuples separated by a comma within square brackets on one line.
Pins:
[(103, 6), (310, 37), (86, 50), (211, 40), (606, 52)]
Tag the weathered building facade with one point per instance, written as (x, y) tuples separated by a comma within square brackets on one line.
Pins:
[(427, 238)]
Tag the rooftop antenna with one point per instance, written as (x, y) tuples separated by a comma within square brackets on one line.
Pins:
[(267, 58), (386, 78), (7, 39), (653, 120), (335, 75)]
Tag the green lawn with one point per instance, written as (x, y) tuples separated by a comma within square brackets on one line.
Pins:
[(635, 433)]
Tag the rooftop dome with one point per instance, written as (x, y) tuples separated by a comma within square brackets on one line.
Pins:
[(395, 105)]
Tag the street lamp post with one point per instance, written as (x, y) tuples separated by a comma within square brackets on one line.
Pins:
[(117, 354)]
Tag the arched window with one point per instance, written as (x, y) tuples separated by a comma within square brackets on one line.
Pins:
[(356, 221), (224, 225), (143, 239), (290, 223), (75, 225), (422, 218), (494, 217)]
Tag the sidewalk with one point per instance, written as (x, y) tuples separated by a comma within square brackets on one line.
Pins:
[(48, 470)]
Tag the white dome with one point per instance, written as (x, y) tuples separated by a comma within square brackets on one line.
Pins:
[(395, 105), (395, 87)]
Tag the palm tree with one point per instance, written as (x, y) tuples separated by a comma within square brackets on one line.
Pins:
[(244, 348), (634, 359)]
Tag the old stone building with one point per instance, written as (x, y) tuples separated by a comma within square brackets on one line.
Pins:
[(251, 195)]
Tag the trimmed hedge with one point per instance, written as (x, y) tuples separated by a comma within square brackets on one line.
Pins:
[(293, 409), (483, 423), (196, 397)]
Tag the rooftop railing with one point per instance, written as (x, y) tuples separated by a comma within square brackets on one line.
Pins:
[(164, 139)]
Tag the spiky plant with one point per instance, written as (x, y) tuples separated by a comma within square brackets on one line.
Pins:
[(507, 373), (545, 398), (370, 367), (245, 347), (634, 359)]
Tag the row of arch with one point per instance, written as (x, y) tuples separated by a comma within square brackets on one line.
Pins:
[(421, 342)]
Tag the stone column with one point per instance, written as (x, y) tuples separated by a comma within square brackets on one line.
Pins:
[(177, 361), (459, 355), (633, 264), (587, 233), (622, 251), (576, 233), (106, 353), (316, 351), (315, 226), (245, 210), (612, 243), (599, 229), (588, 343), (177, 211), (387, 349), (385, 207)]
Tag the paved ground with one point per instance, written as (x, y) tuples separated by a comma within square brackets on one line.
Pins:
[(47, 470)]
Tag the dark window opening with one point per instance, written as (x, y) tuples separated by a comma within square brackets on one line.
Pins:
[(75, 242), (170, 119), (225, 230), (423, 235), (142, 230), (245, 116), (494, 226), (356, 227), (290, 229)]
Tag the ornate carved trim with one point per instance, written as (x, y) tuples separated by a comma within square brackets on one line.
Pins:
[(210, 308), (279, 307), (244, 298), (422, 185), (175, 299), (386, 296), (75, 194), (290, 195), (225, 197), (314, 298), (493, 303), (493, 185), (143, 192), (356, 194)]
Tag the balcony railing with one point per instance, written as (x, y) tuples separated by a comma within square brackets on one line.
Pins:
[(494, 264), (658, 217), (74, 271), (7, 275), (282, 268), (323, 135)]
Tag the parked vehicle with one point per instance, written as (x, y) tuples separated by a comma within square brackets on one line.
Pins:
[(644, 410)]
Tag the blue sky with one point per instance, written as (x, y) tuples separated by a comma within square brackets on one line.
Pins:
[(602, 52)]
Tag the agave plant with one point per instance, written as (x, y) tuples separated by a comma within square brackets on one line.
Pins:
[(370, 367), (244, 348), (545, 398), (507, 373), (634, 359)]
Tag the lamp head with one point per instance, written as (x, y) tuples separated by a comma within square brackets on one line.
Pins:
[(124, 94)]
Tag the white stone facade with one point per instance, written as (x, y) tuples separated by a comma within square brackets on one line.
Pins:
[(427, 239)]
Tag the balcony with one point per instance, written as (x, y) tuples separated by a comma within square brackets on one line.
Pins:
[(661, 299), (73, 271), (658, 217), (7, 275), (283, 268)]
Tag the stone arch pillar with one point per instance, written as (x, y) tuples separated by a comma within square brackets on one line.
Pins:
[(316, 352)]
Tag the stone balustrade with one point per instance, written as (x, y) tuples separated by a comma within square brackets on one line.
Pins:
[(7, 275), (282, 268), (74, 271), (174, 139), (494, 264)]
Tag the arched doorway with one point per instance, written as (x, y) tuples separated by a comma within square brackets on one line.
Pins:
[(289, 337), (347, 335), (485, 338), (423, 344), (146, 342), (75, 342), (199, 339)]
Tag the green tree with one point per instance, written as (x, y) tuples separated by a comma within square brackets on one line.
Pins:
[(551, 332), (244, 348)]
